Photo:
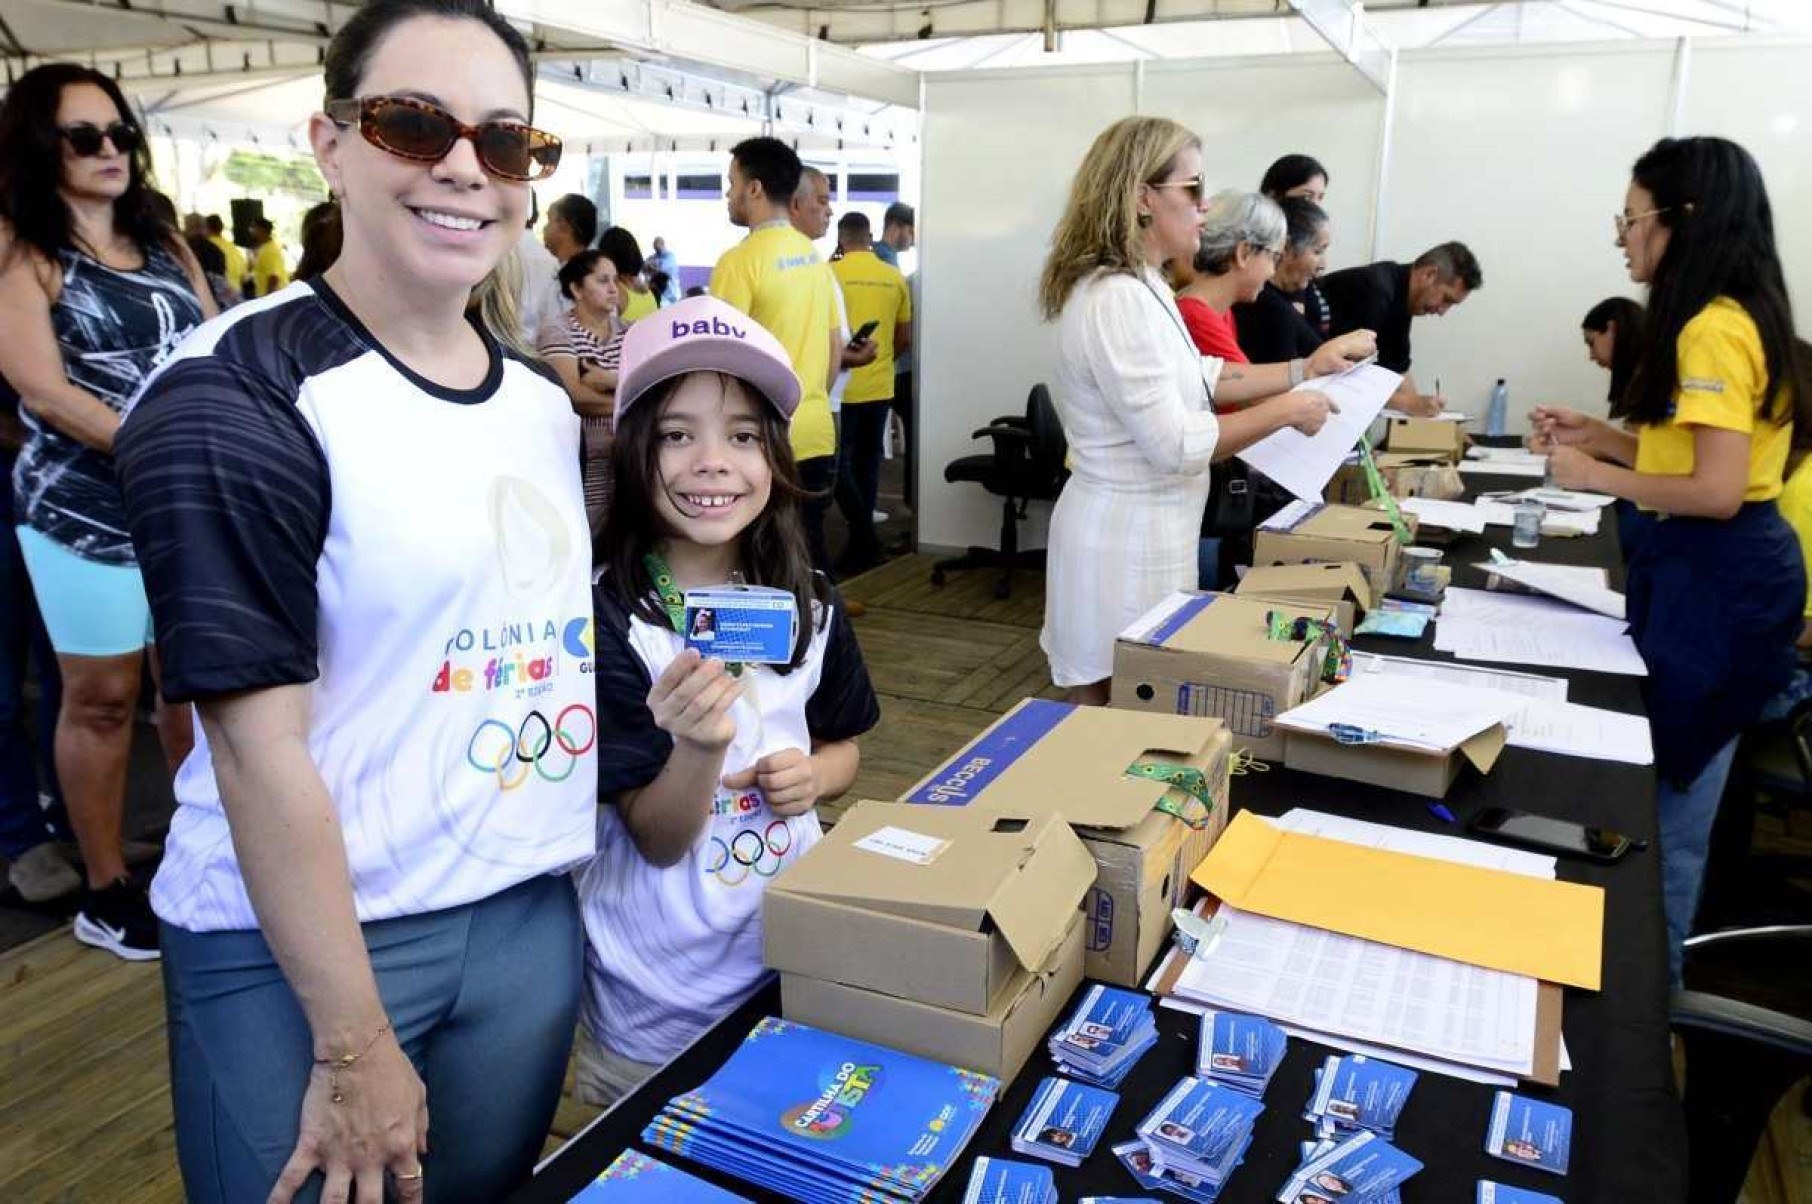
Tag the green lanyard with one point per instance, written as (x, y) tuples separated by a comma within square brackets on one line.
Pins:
[(1195, 811), (1374, 481), (1337, 666), (674, 602)]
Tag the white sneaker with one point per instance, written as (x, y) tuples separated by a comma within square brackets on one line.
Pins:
[(880, 516)]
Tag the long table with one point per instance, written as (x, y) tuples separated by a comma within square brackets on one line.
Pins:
[(1629, 1138)]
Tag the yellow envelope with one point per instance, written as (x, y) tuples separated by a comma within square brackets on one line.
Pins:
[(1550, 930)]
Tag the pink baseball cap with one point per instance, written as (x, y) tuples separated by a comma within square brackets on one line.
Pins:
[(702, 334)]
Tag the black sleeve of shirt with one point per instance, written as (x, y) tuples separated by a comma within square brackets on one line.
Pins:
[(632, 750), (1363, 298), (227, 496), (1270, 329), (844, 704)]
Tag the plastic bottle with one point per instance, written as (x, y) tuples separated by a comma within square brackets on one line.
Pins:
[(1495, 414)]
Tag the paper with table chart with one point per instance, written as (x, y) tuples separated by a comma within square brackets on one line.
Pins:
[(1304, 464), (1559, 581), (1435, 717), (1422, 844), (1484, 625), (1544, 720)]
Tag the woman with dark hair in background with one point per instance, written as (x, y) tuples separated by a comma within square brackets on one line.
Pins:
[(1302, 176), (320, 240), (1272, 326), (340, 494), (1614, 330), (1716, 591), (637, 301), (96, 287), (583, 345)]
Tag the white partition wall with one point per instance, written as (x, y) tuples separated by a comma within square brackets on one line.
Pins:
[(1522, 153)]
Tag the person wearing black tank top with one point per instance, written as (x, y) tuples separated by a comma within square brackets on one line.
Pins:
[(95, 289)]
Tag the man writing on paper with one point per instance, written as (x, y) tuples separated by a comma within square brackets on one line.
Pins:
[(1387, 296)]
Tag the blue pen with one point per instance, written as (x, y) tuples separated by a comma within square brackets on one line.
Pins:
[(1440, 812)]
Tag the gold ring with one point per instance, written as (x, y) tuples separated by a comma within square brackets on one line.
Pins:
[(402, 1178)]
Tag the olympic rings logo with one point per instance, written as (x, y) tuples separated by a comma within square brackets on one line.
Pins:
[(749, 852), (513, 755)]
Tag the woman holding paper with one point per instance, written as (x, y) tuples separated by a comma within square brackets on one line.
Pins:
[(1136, 398), (1715, 591)]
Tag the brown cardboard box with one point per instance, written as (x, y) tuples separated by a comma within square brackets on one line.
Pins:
[(1342, 586), (1210, 654), (1331, 534), (1406, 474), (1048, 758), (998, 1043), (1417, 772), (1426, 435), (939, 905)]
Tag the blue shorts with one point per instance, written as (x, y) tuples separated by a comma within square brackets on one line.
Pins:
[(89, 608)]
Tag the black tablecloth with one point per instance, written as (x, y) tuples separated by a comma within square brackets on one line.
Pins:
[(1629, 1139)]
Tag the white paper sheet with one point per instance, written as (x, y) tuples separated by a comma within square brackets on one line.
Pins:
[(1559, 581), (1443, 416), (1455, 516), (1603, 649), (1290, 515), (1579, 574), (1506, 468), (1571, 730), (1556, 498), (1530, 685), (1437, 716), (1303, 464), (1418, 844)]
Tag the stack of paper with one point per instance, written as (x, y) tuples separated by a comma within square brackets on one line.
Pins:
[(1003, 1181), (1559, 581), (1103, 1038), (770, 1114), (1064, 1121), (1436, 717), (1304, 464), (1487, 626), (1454, 516), (1504, 461), (635, 1178), (1363, 1169), (1357, 1093), (1199, 1132), (1239, 1051)]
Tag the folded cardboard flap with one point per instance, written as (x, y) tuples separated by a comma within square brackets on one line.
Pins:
[(1546, 929), (1024, 874), (1333, 581)]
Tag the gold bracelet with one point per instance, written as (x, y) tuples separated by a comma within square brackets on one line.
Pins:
[(344, 1061)]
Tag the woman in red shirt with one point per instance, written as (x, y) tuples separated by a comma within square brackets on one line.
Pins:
[(1242, 239)]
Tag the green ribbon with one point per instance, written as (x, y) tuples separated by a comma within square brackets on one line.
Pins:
[(1374, 483), (1197, 809), (1337, 665)]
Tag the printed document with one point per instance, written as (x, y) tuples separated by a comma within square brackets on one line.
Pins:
[(1304, 464)]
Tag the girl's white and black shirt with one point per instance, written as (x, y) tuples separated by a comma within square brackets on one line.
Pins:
[(669, 951), (308, 510)]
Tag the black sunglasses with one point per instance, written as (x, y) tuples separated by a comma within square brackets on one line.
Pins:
[(85, 138), (425, 133)]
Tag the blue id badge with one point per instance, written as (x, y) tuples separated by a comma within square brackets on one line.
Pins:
[(1530, 1132), (742, 624), (1361, 1166), (1498, 1193)]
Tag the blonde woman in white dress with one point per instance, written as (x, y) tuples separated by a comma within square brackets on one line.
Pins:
[(1136, 398)]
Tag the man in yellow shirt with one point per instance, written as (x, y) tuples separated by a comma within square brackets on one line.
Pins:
[(878, 300), (235, 257), (776, 278), (268, 270)]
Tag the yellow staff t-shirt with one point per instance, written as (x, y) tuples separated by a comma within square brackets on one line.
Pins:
[(1796, 508), (235, 258), (636, 305), (267, 261), (873, 291)]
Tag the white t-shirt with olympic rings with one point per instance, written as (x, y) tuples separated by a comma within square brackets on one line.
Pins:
[(669, 951)]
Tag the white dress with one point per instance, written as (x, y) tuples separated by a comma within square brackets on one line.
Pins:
[(1134, 397)]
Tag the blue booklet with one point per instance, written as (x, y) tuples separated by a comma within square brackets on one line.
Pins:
[(1003, 1181), (1354, 1092), (635, 1177), (795, 1106), (1364, 1165), (1201, 1129), (1241, 1051), (1530, 1133), (1497, 1193), (1064, 1122)]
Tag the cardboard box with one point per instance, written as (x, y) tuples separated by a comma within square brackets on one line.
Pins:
[(1047, 758), (1425, 773), (997, 1043), (1310, 534), (939, 905), (1342, 586), (1406, 474), (1211, 654), (1426, 435)]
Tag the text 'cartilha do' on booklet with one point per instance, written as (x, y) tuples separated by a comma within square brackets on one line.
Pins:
[(1550, 930)]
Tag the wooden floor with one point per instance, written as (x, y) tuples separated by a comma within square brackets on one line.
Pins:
[(83, 1081)]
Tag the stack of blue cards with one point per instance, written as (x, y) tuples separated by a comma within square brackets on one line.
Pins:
[(1135, 1156), (1497, 1193), (1355, 1093), (1363, 1169), (1104, 1036), (1200, 1130), (1239, 1051), (824, 1118), (1529, 1132), (635, 1178), (1003, 1181), (1116, 1200), (1064, 1122)]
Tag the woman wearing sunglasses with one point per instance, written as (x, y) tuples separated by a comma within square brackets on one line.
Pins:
[(95, 289), (1136, 397), (366, 551)]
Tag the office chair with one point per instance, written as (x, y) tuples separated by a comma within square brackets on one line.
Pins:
[(1745, 1021), (1772, 775), (1025, 466)]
